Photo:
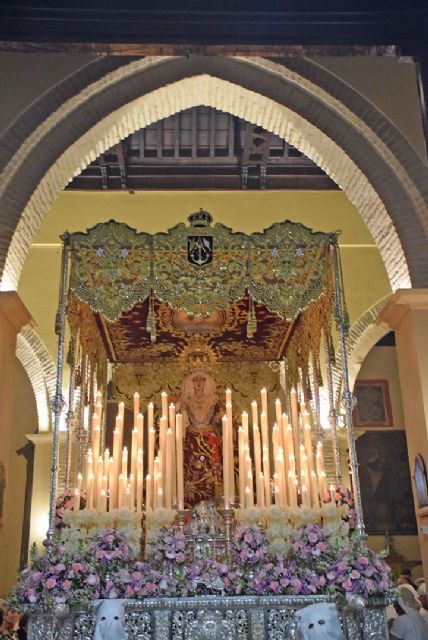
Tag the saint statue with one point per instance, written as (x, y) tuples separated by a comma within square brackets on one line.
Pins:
[(201, 410)]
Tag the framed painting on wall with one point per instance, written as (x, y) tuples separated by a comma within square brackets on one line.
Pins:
[(373, 408), (386, 489)]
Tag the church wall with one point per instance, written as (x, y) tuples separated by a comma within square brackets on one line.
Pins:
[(385, 81), (381, 364), (25, 421), (25, 77)]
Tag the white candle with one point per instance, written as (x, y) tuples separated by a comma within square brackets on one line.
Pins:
[(136, 407), (241, 443), (231, 452), (76, 504), (163, 425), (245, 427), (247, 498), (250, 482), (228, 396), (254, 413), (179, 443), (90, 492), (294, 419), (149, 493), (168, 468), (226, 466), (125, 462), (257, 459), (140, 477), (102, 502), (120, 492), (172, 426), (278, 418), (263, 397), (164, 400), (150, 420), (96, 436), (99, 410), (151, 460), (160, 498), (134, 450), (127, 497), (305, 497), (155, 482), (140, 430), (100, 474), (112, 484), (333, 493), (266, 475), (265, 449), (314, 489), (106, 461), (260, 491), (281, 475), (291, 483)]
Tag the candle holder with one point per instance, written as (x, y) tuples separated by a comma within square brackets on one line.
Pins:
[(143, 534), (181, 518), (229, 526)]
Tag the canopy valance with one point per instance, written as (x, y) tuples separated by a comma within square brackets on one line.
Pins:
[(199, 268)]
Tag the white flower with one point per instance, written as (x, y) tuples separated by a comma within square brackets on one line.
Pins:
[(280, 547)]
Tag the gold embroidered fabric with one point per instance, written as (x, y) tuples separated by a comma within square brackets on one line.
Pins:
[(114, 267)]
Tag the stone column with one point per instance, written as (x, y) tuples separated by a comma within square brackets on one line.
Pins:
[(407, 314), (13, 316)]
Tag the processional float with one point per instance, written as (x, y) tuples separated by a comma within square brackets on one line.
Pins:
[(288, 270), (180, 300)]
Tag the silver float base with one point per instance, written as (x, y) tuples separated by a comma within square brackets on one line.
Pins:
[(210, 618)]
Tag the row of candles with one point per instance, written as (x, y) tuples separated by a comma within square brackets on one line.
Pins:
[(275, 465)]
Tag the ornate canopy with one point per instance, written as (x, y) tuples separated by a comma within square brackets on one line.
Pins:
[(200, 288)]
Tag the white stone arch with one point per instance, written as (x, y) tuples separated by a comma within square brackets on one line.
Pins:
[(41, 371), (215, 91), (362, 337)]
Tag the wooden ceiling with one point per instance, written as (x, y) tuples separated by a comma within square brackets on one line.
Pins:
[(202, 148)]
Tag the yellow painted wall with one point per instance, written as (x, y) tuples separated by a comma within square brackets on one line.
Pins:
[(381, 364), (365, 276), (25, 421)]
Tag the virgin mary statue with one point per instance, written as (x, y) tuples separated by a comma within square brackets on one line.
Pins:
[(199, 405)]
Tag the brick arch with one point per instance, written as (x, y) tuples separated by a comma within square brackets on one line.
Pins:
[(39, 366), (362, 337), (299, 101)]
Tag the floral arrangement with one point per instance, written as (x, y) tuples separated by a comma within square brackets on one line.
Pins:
[(170, 546), (80, 528), (344, 498), (312, 562), (359, 571), (56, 579), (250, 546), (65, 503)]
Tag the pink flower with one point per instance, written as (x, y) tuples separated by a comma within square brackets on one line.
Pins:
[(347, 584), (76, 566), (50, 583)]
